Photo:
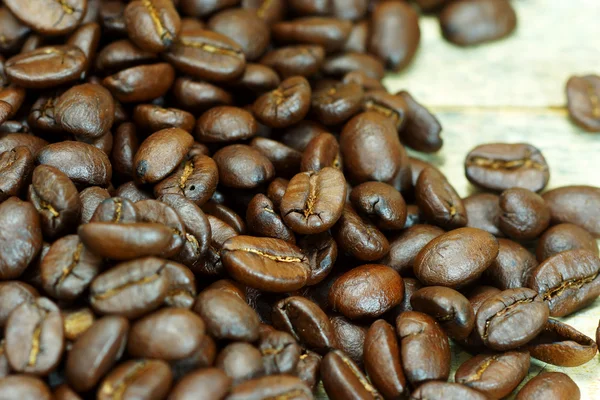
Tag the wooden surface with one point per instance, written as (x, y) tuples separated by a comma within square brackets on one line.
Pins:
[(513, 91)]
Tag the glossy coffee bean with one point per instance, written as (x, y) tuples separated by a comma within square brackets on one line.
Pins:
[(263, 220), (293, 61), (550, 385), (512, 267), (455, 258), (12, 295), (284, 106), (140, 83), (500, 166), (331, 33), (411, 285), (243, 167), (14, 31), (581, 94), (424, 348), (16, 166), (49, 17), (115, 209), (321, 251), (343, 379), (367, 291), (483, 212), (280, 352), (469, 23), (511, 318), (154, 211), (199, 96), (181, 291), (225, 124), (144, 379), (203, 384), (122, 54), (525, 214), (438, 200), (406, 245), (494, 375), (421, 129), (446, 391), (381, 202), (19, 386), (285, 159), (220, 233), (225, 214), (392, 107), (564, 237), (10, 141), (350, 337), (575, 205), (277, 386), (245, 27), (567, 281), (359, 237), (336, 103), (152, 118), (258, 78), (76, 322), (240, 361), (321, 152), (153, 25)]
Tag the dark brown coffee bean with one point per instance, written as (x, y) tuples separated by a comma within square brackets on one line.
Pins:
[(366, 291), (46, 67), (11, 97), (511, 318), (564, 237), (263, 220), (494, 375), (245, 27), (181, 291), (141, 83), (47, 16), (276, 191), (203, 357), (152, 118), (382, 360), (298, 136), (34, 337), (197, 8), (55, 197), (575, 205), (130, 289), (142, 379), (439, 201), (448, 307), (313, 201), (471, 22), (291, 61), (87, 38), (272, 265), (456, 258), (285, 159), (567, 281), (306, 322), (243, 167), (226, 215), (258, 78), (280, 352), (284, 106), (125, 145), (321, 251), (12, 295), (512, 267), (331, 33), (501, 166), (395, 34), (582, 101), (14, 33), (277, 386), (220, 233), (416, 167), (111, 16), (561, 344), (198, 96), (388, 105), (24, 387), (446, 391), (10, 141), (65, 392), (115, 209), (358, 37), (381, 202), (405, 247), (550, 385), (336, 103), (16, 166), (322, 151), (153, 25), (411, 285), (359, 237), (422, 129), (424, 348), (525, 214), (225, 124), (204, 384), (342, 379), (240, 361), (76, 322), (350, 337), (95, 352), (154, 211), (122, 54), (22, 239), (483, 212), (308, 368)]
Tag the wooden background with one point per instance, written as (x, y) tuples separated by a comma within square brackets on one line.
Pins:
[(513, 91)]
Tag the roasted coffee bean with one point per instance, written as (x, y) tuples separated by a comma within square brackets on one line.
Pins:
[(34, 337), (198, 96), (405, 246), (439, 201), (154, 211), (16, 166), (285, 159), (424, 348), (381, 202), (336, 103), (12, 295), (501, 166), (308, 368), (298, 136), (342, 379), (448, 307), (125, 145), (220, 233), (64, 392), (359, 237), (306, 322), (272, 265), (69, 156), (293, 61), (14, 33), (473, 22), (483, 212), (280, 352), (122, 54), (225, 124), (10, 141), (49, 17), (382, 360), (525, 214), (153, 25), (350, 337), (511, 318), (366, 291), (446, 391), (494, 375), (361, 78), (68, 268), (284, 106), (196, 8), (567, 281), (152, 118), (263, 220), (86, 37), (141, 83), (512, 267), (564, 237), (582, 101), (321, 152), (21, 240), (314, 201), (181, 291), (321, 251), (46, 67), (144, 379), (110, 14), (240, 361), (203, 384), (576, 205), (561, 344), (340, 65), (203, 357), (392, 107), (77, 322), (11, 99), (115, 209), (358, 37), (455, 258), (130, 289), (258, 78), (245, 27), (422, 129), (226, 215), (477, 296), (276, 191), (550, 385), (243, 167), (331, 33), (411, 285), (95, 352), (56, 198), (277, 386), (24, 386)]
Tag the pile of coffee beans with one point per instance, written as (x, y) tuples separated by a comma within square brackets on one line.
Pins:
[(211, 199)]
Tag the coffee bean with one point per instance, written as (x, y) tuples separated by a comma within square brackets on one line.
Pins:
[(561, 344), (264, 220), (225, 124), (500, 166), (23, 238), (405, 246), (272, 265), (564, 237), (576, 205), (511, 318), (47, 16), (151, 118), (285, 159), (550, 385), (474, 22), (366, 291), (16, 166), (64, 392), (202, 9), (76, 322), (359, 237), (227, 215), (280, 352), (582, 101), (140, 83), (95, 352), (336, 103), (12, 295), (243, 167), (10, 141), (331, 33), (130, 289), (381, 202), (34, 337), (567, 281), (244, 27), (446, 391), (298, 60), (358, 37), (284, 106), (382, 360), (145, 379), (19, 386), (350, 337), (512, 267), (240, 361), (122, 54), (258, 78), (86, 37), (477, 296), (115, 209), (525, 214), (14, 32), (439, 201), (153, 25), (411, 285), (220, 233), (198, 96), (422, 129), (154, 211), (483, 212), (278, 386), (455, 258), (342, 379), (340, 65), (11, 99), (276, 191), (308, 368), (321, 152), (204, 384), (203, 357), (392, 107), (321, 251), (448, 307)]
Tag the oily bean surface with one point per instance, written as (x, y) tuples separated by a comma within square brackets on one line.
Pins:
[(153, 25), (512, 267), (359, 237), (525, 214), (405, 246), (483, 212), (343, 379), (243, 167), (550, 385), (438, 200), (577, 205), (582, 101), (382, 203), (422, 130), (564, 237)]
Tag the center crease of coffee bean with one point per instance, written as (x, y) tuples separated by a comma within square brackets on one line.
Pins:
[(491, 163), (66, 8), (164, 34), (116, 393), (288, 259), (47, 206), (385, 111), (118, 210), (193, 242), (35, 345), (113, 291), (594, 100), (362, 381), (74, 261), (502, 312), (209, 48), (187, 171), (571, 283), (481, 369)]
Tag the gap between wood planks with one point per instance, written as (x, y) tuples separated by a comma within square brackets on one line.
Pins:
[(549, 110)]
